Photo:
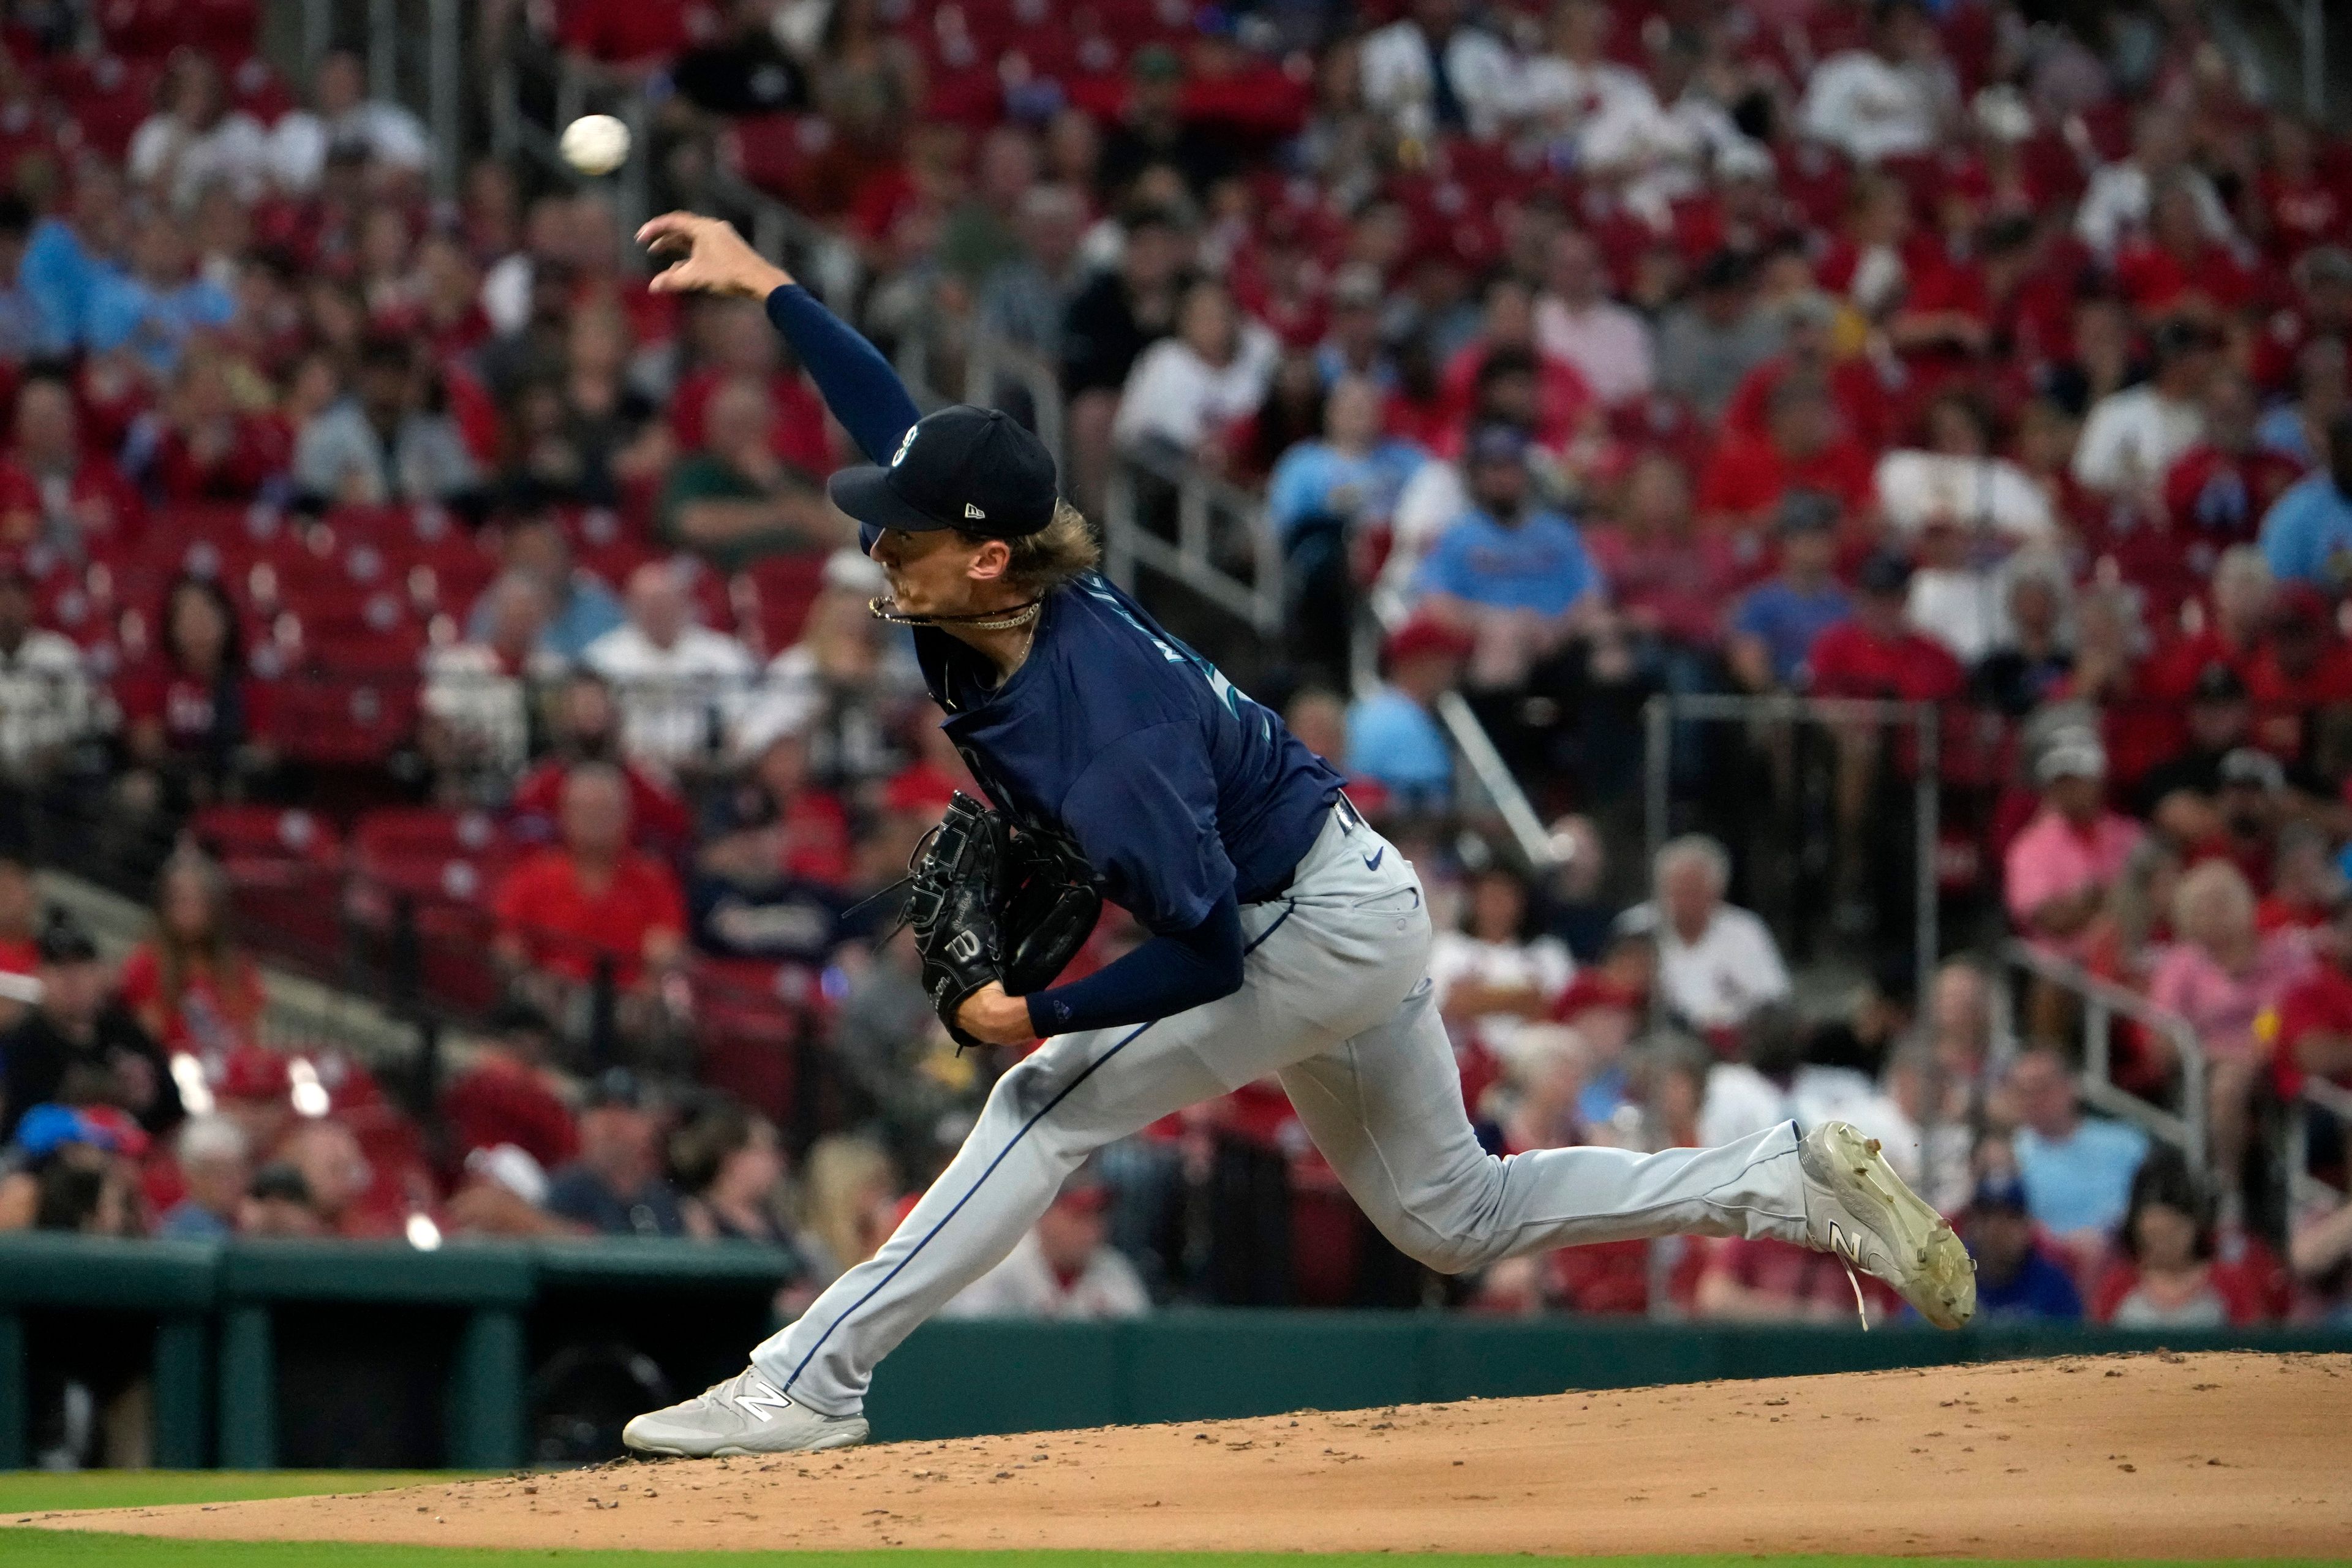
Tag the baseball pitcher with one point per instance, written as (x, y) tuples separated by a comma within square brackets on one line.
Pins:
[(1288, 937)]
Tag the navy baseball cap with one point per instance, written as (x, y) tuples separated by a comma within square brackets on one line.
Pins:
[(977, 471)]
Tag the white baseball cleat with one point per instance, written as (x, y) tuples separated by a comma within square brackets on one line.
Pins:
[(1858, 1209), (744, 1415)]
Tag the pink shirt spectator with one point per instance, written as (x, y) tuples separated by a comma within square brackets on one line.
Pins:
[(2220, 1005), (2054, 858)]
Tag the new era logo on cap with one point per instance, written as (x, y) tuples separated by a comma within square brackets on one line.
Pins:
[(975, 470)]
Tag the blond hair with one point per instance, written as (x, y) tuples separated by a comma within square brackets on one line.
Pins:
[(2212, 903), (1044, 560)]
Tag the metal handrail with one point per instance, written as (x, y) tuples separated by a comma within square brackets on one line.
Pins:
[(2103, 1003), (2294, 1154)]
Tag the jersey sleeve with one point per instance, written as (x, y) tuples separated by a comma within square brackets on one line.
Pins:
[(1145, 815), (863, 393)]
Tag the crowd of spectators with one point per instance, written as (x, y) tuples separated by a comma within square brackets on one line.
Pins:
[(1936, 351)]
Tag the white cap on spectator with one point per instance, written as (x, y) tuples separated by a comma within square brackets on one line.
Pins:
[(2073, 757), (854, 572), (2002, 114), (771, 716), (512, 1168)]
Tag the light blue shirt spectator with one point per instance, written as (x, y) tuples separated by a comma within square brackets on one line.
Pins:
[(2282, 430), (1314, 478), (1539, 565), (585, 613), (153, 323), (1396, 743), (1787, 619), (2307, 536), (58, 276), (191, 1221), (2082, 1181)]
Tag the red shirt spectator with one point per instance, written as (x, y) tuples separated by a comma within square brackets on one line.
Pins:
[(505, 1097), (2304, 666), (798, 435), (659, 823), (1873, 654), (1747, 476), (50, 489), (2310, 1031), (1664, 578), (189, 985), (632, 32), (565, 909), (2216, 497)]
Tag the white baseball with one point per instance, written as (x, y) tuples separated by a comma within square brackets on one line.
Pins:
[(596, 145)]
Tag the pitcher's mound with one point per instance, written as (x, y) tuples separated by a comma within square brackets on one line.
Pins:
[(2150, 1455)]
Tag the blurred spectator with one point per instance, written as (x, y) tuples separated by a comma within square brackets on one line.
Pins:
[(1957, 480), (55, 492), (73, 1171), (616, 1188), (2168, 1276), (732, 1166), (581, 608), (586, 724), (1022, 297), (2218, 492), (845, 685), (76, 1045), (1773, 626), (849, 1201), (1109, 325), (2132, 437), (735, 501), (1431, 72), (2118, 202), (1394, 734), (1328, 498), (568, 912), (2015, 1279), (1491, 975), (337, 1179), (20, 314), (1511, 573), (1873, 654), (2307, 534), (1064, 1269), (1576, 320), (1188, 391), (1893, 100), (2032, 657), (2059, 868), (20, 923), (216, 1163), (777, 819), (678, 682), (1717, 963), (1717, 333), (342, 115), (211, 448), (1748, 477), (507, 1094), (154, 309), (190, 985), (1152, 131), (382, 442), (45, 697), (2221, 974), (195, 138), (69, 250), (476, 695), (277, 1206), (2078, 1170), (2297, 430)]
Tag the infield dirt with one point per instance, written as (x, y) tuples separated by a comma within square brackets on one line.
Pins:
[(2150, 1455)]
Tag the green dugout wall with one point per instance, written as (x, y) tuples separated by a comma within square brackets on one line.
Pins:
[(221, 1330)]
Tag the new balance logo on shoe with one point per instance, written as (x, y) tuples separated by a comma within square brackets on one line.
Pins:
[(759, 1401), (1843, 1246)]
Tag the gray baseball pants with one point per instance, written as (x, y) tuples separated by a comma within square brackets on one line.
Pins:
[(1335, 1000)]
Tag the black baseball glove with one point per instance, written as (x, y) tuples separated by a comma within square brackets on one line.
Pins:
[(988, 904)]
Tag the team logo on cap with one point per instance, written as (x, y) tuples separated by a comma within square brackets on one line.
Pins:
[(900, 455)]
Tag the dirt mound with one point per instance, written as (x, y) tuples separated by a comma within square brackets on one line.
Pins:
[(2170, 1456)]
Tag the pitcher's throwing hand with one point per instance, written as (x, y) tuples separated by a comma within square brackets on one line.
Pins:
[(707, 256)]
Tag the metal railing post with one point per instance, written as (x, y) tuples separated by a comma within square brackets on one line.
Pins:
[(2192, 1052), (1658, 793), (444, 86), (1927, 799), (384, 50)]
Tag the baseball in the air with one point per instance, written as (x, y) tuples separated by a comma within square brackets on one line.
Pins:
[(595, 143)]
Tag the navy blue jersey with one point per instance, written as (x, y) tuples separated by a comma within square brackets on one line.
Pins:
[(1175, 786)]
